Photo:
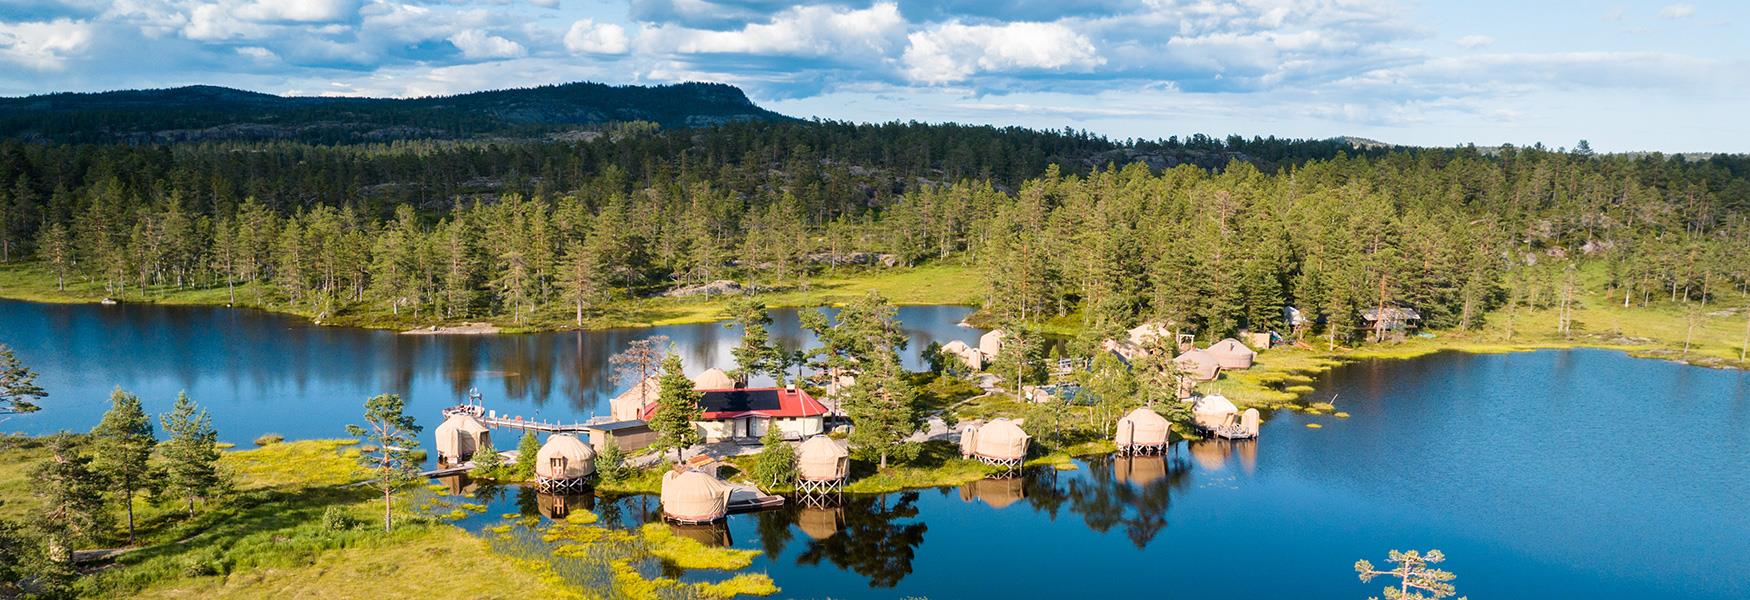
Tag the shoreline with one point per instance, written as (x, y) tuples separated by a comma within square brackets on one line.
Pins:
[(930, 284)]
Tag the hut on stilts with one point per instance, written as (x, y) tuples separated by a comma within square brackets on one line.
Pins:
[(1143, 431), (1213, 412), (564, 464), (1000, 442), (693, 497), (459, 436), (822, 465)]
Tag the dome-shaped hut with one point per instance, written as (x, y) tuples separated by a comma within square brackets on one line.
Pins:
[(999, 442), (966, 354), (991, 344), (627, 405), (459, 436), (693, 497), (821, 465), (1143, 431), (1198, 364), (1213, 412), (1231, 354), (1153, 332), (564, 463), (714, 379)]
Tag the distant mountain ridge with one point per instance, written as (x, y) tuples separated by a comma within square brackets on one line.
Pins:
[(203, 112)]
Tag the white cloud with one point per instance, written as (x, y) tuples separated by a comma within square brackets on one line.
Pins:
[(956, 51), (258, 53), (1677, 11), (478, 44), (1474, 41), (43, 45), (300, 11), (587, 36), (799, 31)]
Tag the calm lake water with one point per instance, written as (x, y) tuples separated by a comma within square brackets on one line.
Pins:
[(259, 373), (1576, 473)]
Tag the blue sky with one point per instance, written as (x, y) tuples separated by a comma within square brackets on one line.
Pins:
[(1630, 76)]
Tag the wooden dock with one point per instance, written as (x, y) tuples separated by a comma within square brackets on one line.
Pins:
[(492, 419)]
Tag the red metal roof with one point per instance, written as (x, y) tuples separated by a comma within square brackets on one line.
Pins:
[(754, 402)]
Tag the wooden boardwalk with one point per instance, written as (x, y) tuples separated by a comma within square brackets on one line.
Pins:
[(491, 419)]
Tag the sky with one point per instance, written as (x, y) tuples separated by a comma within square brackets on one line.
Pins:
[(1663, 76)]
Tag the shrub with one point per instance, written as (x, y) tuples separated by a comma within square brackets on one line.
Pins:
[(610, 465), (269, 439), (338, 519), (776, 463)]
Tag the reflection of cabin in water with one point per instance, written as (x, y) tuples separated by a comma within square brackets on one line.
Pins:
[(999, 493), (560, 506), (1393, 321)]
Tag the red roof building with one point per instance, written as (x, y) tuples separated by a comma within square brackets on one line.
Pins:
[(721, 405)]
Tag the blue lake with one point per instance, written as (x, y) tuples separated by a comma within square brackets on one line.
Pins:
[(1579, 473)]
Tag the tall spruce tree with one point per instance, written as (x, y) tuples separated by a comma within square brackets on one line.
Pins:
[(676, 409), (191, 455), (122, 444)]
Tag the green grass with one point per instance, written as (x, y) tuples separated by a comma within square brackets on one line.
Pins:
[(266, 537), (937, 464), (934, 283)]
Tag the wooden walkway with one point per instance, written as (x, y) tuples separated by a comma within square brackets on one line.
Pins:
[(515, 422), (532, 425)]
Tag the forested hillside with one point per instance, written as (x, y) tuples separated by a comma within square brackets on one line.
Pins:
[(215, 113), (1217, 234)]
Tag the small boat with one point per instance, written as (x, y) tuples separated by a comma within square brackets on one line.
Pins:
[(744, 499)]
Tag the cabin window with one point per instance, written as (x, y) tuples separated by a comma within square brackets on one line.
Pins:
[(557, 462)]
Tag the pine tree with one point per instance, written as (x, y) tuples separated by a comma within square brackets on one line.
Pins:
[(526, 451), (123, 442), (1417, 578), (882, 407), (755, 354), (19, 392), (54, 247), (191, 454), (677, 408), (610, 464), (393, 436), (641, 360), (72, 500)]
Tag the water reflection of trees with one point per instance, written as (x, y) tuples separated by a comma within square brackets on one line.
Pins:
[(879, 539), (1132, 493)]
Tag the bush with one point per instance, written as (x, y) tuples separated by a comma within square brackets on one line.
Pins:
[(338, 519), (610, 465), (269, 439), (776, 463), (525, 454)]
